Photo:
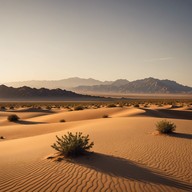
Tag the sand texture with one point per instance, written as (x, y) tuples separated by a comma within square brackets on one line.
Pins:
[(128, 155)]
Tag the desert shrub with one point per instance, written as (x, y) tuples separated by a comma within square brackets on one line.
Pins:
[(13, 118), (62, 121), (72, 144), (11, 107), (48, 107), (165, 126), (97, 106), (3, 108), (77, 108), (111, 105), (1, 137), (105, 116), (136, 105)]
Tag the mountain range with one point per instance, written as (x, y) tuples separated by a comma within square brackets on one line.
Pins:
[(121, 86), (43, 94), (54, 84)]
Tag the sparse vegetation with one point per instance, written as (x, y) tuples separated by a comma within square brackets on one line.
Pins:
[(62, 121), (165, 127), (3, 108), (13, 118), (78, 108), (136, 105), (48, 108), (1, 137), (11, 107), (72, 144), (105, 116), (111, 105)]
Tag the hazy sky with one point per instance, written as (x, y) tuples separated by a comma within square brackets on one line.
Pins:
[(102, 39)]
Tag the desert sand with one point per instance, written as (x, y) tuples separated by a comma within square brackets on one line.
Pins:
[(128, 154)]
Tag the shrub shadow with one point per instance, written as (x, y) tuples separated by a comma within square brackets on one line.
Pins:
[(32, 110), (167, 113), (28, 122), (127, 169), (181, 135)]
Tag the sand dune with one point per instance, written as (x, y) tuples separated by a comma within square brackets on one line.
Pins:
[(22, 115), (79, 115), (127, 155)]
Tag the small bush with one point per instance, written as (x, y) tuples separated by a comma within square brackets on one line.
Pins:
[(1, 137), (136, 105), (77, 108), (62, 121), (48, 107), (3, 108), (111, 105), (72, 145), (105, 116), (165, 126), (13, 118), (11, 107)]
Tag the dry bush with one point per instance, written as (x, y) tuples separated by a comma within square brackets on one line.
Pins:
[(165, 127), (72, 144), (13, 118)]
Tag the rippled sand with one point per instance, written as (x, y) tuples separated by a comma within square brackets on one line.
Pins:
[(128, 154)]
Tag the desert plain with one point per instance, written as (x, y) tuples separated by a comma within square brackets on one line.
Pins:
[(128, 153)]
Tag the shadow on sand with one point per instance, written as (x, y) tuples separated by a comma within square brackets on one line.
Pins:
[(28, 122), (36, 110), (167, 113), (127, 169), (181, 135)]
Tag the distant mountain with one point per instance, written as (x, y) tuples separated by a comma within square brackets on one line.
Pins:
[(62, 84), (148, 85), (119, 82), (27, 93), (122, 86)]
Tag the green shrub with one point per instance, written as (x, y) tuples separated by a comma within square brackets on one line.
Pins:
[(72, 145), (13, 118), (165, 126), (77, 108)]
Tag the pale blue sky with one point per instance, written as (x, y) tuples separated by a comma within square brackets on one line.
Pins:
[(102, 39)]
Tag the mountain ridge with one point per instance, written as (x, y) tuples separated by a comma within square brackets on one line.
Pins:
[(28, 93), (147, 85), (90, 85), (54, 84)]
